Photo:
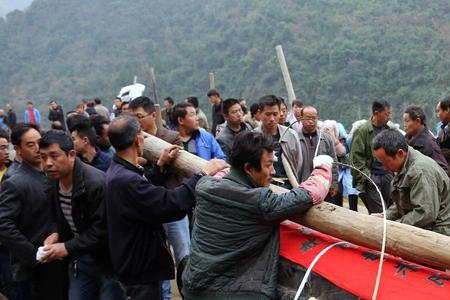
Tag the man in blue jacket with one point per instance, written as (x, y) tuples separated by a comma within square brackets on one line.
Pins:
[(195, 140), (137, 209)]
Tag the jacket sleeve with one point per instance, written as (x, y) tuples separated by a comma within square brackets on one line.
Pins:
[(216, 151), (276, 207), (26, 117), (38, 117), (424, 200), (155, 204), (96, 236), (10, 235), (358, 159), (334, 169)]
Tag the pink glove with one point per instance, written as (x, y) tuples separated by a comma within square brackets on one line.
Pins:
[(318, 183)]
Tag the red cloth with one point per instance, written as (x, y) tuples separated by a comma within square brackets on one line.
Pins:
[(354, 268), (32, 118)]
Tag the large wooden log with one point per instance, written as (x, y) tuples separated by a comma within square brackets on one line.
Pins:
[(411, 243), (286, 76)]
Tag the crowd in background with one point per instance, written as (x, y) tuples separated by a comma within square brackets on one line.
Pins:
[(89, 228)]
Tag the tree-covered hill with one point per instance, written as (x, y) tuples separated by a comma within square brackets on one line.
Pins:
[(7, 6), (342, 54)]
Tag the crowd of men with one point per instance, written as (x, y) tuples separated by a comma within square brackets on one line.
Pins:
[(84, 215)]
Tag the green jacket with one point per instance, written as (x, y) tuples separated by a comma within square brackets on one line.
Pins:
[(421, 194), (361, 153), (236, 239)]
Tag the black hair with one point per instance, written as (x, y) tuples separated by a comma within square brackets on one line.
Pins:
[(212, 92), (244, 109), (378, 106), (97, 121), (19, 130), (29, 103), (59, 137), (391, 141), (147, 105), (297, 102), (416, 112), (227, 104), (268, 100), (123, 131), (4, 135), (75, 120), (98, 101), (179, 111), (444, 103), (254, 109), (169, 99), (248, 147), (193, 100)]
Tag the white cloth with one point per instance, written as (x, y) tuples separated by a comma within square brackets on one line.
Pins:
[(322, 160)]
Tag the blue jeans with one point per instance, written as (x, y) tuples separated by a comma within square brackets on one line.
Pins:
[(180, 240), (86, 282)]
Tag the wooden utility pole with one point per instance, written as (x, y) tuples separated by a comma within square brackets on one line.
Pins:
[(155, 96), (212, 84), (411, 243), (286, 76)]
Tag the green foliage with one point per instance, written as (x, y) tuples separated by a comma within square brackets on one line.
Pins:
[(342, 54)]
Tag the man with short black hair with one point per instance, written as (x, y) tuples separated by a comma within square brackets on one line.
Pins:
[(56, 113), (84, 138), (136, 210), (287, 146), (232, 112), (101, 125), (237, 258), (217, 116), (362, 157), (78, 200), (195, 140), (420, 188), (294, 117), (27, 222), (166, 112), (420, 138), (202, 120)]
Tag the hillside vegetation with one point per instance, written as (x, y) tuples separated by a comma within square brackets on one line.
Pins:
[(342, 54)]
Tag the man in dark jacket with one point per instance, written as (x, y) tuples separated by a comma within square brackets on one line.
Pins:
[(78, 200), (237, 257), (56, 114), (136, 210), (420, 138), (11, 117), (26, 220), (234, 124), (217, 115)]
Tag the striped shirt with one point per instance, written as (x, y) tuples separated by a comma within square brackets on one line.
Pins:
[(65, 201)]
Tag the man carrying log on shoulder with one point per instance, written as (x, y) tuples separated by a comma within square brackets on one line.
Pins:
[(236, 239), (420, 187)]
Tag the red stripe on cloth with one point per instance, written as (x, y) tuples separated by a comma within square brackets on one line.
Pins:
[(354, 268)]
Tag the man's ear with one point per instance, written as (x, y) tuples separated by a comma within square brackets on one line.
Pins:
[(85, 140), (72, 153), (248, 168)]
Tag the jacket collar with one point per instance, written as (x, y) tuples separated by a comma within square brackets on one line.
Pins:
[(281, 130), (420, 139), (409, 158), (78, 180), (241, 177), (127, 165)]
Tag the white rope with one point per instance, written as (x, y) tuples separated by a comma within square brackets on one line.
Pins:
[(318, 142), (383, 243), (308, 271)]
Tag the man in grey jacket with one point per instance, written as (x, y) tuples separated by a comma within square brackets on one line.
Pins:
[(287, 147), (236, 239), (310, 139)]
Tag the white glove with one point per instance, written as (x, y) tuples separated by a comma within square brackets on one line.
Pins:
[(40, 254), (322, 160)]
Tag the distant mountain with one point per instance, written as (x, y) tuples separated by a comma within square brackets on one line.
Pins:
[(342, 54), (7, 6)]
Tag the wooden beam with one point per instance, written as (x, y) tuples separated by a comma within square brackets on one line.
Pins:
[(212, 84), (286, 76), (154, 87), (411, 243)]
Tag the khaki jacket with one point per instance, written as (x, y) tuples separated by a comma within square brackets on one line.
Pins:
[(421, 194)]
